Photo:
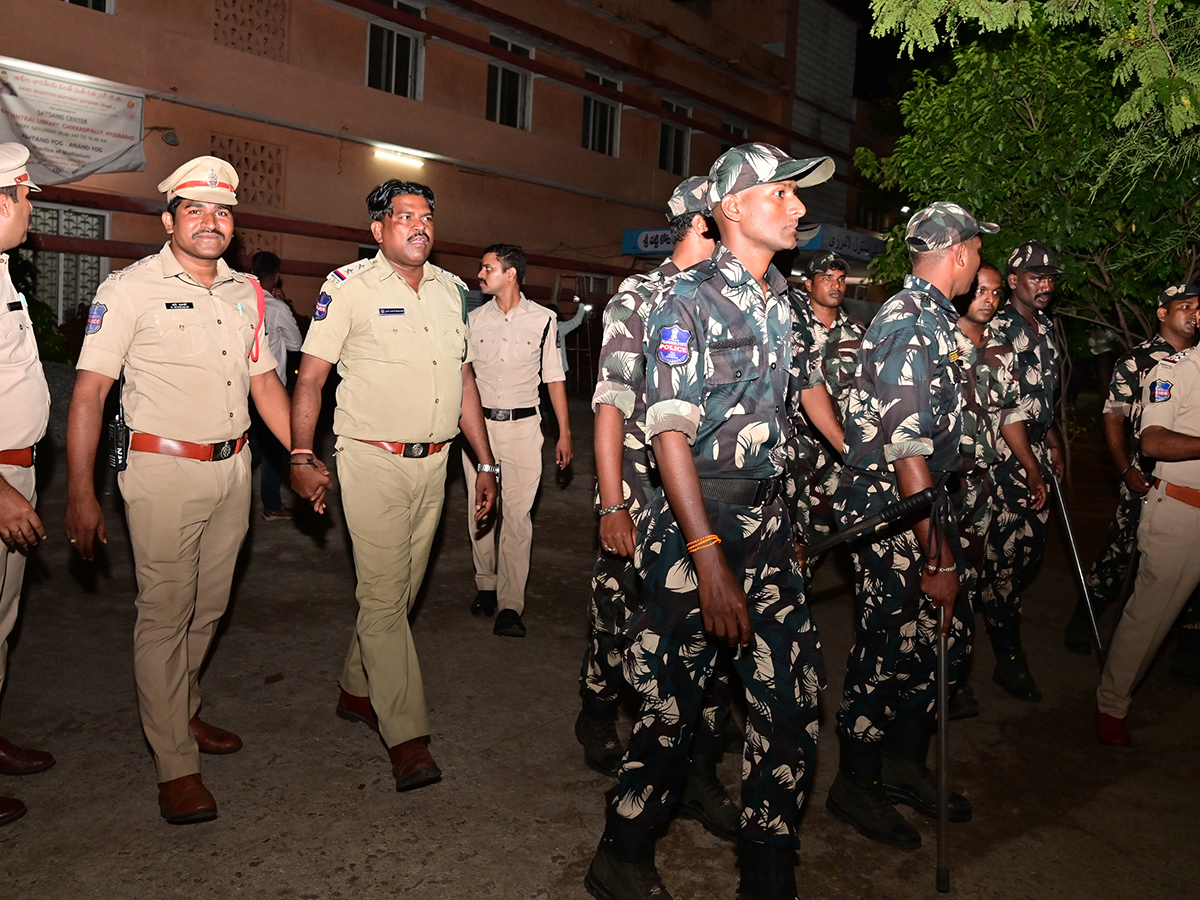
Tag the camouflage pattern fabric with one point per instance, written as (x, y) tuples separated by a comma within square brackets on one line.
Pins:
[(991, 398), (718, 355), (942, 225), (1125, 398), (669, 658), (905, 402), (974, 510), (749, 165), (1035, 356), (813, 467)]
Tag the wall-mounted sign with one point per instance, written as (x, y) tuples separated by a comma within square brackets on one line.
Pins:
[(73, 125), (844, 242), (647, 242)]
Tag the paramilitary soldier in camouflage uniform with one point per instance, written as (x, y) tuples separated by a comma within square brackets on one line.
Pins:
[(991, 418), (902, 431), (1177, 309), (624, 483), (720, 565), (1019, 533), (833, 338)]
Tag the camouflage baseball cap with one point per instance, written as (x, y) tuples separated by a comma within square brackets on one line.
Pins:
[(825, 261), (688, 197), (752, 164), (1035, 257), (1178, 292), (943, 224)]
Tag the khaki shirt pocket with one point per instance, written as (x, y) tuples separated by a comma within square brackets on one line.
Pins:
[(454, 334), (181, 333), (17, 343), (394, 337)]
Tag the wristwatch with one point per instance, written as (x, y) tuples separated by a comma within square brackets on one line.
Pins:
[(484, 467)]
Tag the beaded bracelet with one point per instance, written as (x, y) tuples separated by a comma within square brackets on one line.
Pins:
[(940, 569), (612, 509), (710, 540)]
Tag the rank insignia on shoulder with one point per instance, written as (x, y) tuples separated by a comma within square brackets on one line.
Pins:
[(389, 310), (1160, 391), (954, 355), (673, 346), (95, 318), (322, 308)]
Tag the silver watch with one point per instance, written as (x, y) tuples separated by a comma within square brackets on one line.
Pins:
[(484, 467)]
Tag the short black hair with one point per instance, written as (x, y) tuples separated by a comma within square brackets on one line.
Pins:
[(379, 201), (510, 256), (681, 224), (963, 301), (10, 191), (264, 264)]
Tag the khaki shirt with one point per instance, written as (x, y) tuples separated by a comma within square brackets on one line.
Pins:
[(185, 348), (514, 353), (400, 352), (1171, 398), (24, 396)]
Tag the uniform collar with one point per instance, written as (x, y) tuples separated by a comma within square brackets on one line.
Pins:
[(172, 268), (735, 274), (913, 283), (386, 270)]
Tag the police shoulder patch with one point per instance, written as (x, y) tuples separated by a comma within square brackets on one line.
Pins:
[(321, 310), (95, 318), (674, 345), (1160, 391)]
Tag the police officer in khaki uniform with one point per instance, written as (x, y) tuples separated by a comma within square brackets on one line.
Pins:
[(24, 412), (516, 349), (1170, 566), (185, 331), (396, 326)]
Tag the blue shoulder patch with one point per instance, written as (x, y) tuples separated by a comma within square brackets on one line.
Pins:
[(673, 346), (95, 318), (1160, 391), (322, 308)]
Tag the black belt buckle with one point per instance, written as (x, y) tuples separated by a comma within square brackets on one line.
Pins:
[(499, 415), (225, 449), (766, 491)]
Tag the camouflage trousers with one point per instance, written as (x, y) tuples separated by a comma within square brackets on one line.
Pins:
[(669, 658), (892, 667), (974, 509), (812, 475), (1015, 545)]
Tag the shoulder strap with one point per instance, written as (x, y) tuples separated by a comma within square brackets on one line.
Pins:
[(260, 296), (542, 355)]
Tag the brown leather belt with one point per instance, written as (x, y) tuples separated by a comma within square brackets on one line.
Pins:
[(1187, 495), (17, 457), (410, 451), (149, 443)]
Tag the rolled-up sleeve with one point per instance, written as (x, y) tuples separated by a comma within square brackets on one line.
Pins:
[(675, 367), (622, 361)]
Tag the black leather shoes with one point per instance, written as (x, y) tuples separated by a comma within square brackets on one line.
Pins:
[(509, 624), (484, 604)]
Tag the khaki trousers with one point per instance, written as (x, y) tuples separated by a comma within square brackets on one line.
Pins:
[(501, 544), (1167, 574), (12, 564), (187, 520), (392, 506)]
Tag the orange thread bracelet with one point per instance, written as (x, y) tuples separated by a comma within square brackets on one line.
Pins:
[(710, 540)]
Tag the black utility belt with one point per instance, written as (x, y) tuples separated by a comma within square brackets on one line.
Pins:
[(742, 491), (509, 415)]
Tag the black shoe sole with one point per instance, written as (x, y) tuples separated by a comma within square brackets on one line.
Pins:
[(483, 612), (192, 818), (598, 765), (419, 779), (356, 718), (882, 837), (911, 799), (688, 812)]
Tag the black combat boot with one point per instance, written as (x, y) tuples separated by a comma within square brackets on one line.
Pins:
[(906, 778), (623, 867), (768, 873), (704, 798), (1012, 668), (857, 797), (596, 729)]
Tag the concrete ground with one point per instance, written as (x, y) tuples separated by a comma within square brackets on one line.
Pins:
[(308, 807)]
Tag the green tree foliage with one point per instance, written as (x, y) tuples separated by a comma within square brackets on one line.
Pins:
[(1018, 132)]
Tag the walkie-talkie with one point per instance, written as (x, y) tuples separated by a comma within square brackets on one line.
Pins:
[(118, 432)]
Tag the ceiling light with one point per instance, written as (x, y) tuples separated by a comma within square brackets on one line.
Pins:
[(399, 157)]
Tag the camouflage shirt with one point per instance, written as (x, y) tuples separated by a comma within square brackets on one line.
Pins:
[(907, 392), (1128, 379), (991, 398), (1036, 358), (718, 354), (834, 352), (622, 378)]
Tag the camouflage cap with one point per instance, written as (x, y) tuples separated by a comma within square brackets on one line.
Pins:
[(1035, 257), (688, 197), (749, 165), (943, 224), (825, 261), (1178, 292)]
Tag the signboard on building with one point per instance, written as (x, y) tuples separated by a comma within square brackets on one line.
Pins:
[(647, 242), (73, 125), (844, 242)]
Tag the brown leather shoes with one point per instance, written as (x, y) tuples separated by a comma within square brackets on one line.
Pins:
[(211, 739), (1112, 731), (412, 765), (186, 800), (11, 809), (16, 761), (357, 709)]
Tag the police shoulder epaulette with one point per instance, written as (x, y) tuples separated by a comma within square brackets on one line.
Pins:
[(439, 272), (132, 267), (1175, 358), (633, 282), (346, 272)]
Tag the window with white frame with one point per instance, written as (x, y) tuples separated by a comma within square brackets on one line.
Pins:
[(601, 118), (509, 90), (394, 54), (673, 141), (67, 280), (104, 6)]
